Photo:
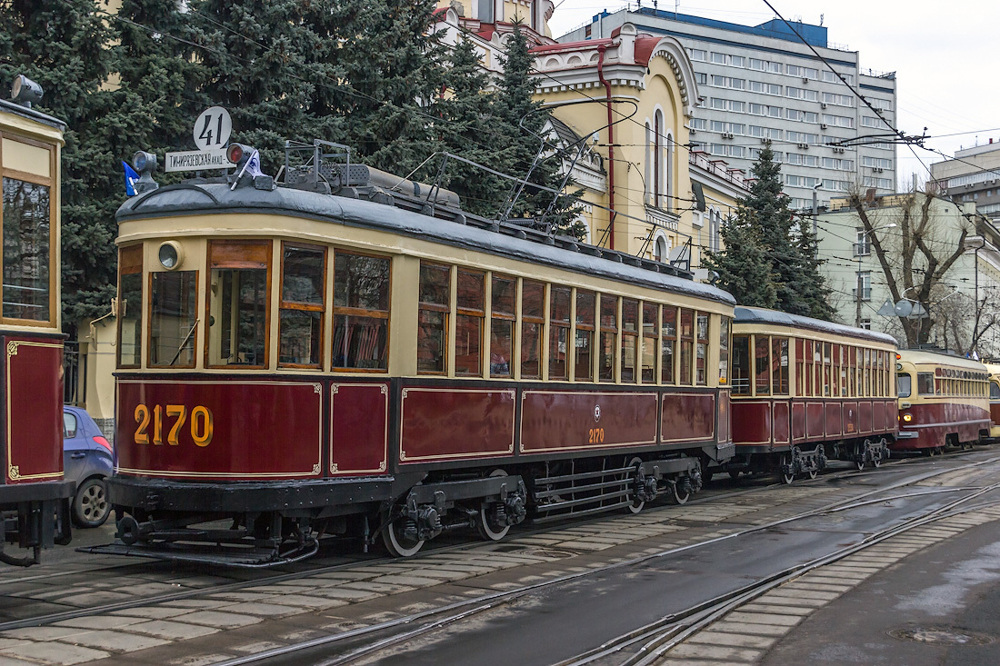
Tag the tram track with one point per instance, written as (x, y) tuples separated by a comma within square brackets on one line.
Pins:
[(365, 642)]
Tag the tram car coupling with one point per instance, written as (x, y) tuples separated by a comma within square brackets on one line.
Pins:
[(344, 352), (944, 401), (805, 391), (34, 496)]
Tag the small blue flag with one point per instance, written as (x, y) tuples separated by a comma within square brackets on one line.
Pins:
[(252, 167), (131, 178)]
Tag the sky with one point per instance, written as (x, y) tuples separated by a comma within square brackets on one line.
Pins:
[(941, 54)]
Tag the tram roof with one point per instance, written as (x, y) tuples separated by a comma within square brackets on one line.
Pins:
[(940, 357), (25, 112), (763, 316), (208, 198)]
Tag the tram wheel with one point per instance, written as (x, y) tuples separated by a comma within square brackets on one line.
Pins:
[(679, 496), (487, 527), (396, 541), (860, 464), (734, 474), (813, 473), (788, 478)]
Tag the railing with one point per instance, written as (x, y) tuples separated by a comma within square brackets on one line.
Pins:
[(74, 375), (718, 168)]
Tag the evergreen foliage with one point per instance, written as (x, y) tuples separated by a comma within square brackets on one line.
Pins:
[(765, 224)]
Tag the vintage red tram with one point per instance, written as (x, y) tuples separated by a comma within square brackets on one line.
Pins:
[(805, 390), (944, 400), (34, 497), (365, 361)]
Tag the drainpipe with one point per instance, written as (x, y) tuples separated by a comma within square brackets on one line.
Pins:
[(611, 147)]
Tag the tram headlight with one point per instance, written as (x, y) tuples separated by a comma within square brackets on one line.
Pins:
[(25, 92), (237, 153), (907, 417), (170, 255)]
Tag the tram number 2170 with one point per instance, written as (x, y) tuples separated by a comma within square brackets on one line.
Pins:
[(159, 421)]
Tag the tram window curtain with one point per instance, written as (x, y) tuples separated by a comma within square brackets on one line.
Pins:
[(130, 307), (27, 238), (532, 322), (609, 335), (584, 347), (630, 338), (433, 313), (504, 300), (559, 302), (650, 317), (239, 299), (303, 271), (469, 316), (668, 350)]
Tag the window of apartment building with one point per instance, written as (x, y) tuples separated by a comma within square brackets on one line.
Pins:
[(803, 160), (698, 124), (701, 78), (737, 61), (728, 82), (880, 104), (733, 128), (699, 55), (838, 100), (866, 324), (864, 280), (755, 154), (718, 58), (793, 70), (802, 93), (871, 121), (835, 185), (759, 65), (837, 121), (876, 162), (830, 77)]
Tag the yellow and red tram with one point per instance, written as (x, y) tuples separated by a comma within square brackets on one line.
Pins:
[(805, 390), (993, 370), (364, 361), (34, 497), (944, 400)]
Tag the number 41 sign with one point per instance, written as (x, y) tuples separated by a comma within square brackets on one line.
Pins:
[(213, 128)]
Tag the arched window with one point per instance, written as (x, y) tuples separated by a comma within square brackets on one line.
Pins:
[(650, 186), (658, 158), (661, 248)]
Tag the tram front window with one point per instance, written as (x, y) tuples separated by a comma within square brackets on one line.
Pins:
[(172, 321), (26, 210), (904, 386), (238, 302)]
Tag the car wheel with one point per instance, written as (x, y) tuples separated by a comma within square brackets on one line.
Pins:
[(90, 506)]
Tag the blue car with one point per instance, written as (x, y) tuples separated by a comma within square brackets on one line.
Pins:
[(88, 459)]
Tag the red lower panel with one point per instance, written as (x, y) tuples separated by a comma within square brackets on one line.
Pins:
[(851, 417), (815, 426), (798, 421), (878, 416), (751, 423), (359, 418), (833, 419), (446, 423), (866, 417), (34, 390), (995, 412), (220, 429), (564, 420), (725, 407), (781, 422), (934, 422), (687, 416)]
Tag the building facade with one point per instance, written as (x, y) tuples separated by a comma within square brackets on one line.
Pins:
[(964, 306), (762, 84), (973, 176)]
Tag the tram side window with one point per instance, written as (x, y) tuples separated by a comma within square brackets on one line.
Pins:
[(827, 350), (650, 318), (844, 355), (925, 383), (668, 351), (238, 303), (504, 298), (994, 391), (301, 317), (687, 345), (432, 318), (559, 298), (779, 366), (799, 368), (724, 350), (701, 350), (361, 311), (469, 315), (630, 338), (27, 211), (585, 318), (835, 371), (609, 333), (904, 386), (762, 364), (172, 320), (741, 365), (532, 321), (130, 307)]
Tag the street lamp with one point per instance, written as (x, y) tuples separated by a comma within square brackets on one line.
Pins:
[(861, 239)]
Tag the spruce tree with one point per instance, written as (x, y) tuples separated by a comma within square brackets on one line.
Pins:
[(524, 119), (743, 268), (468, 129), (811, 283), (61, 45)]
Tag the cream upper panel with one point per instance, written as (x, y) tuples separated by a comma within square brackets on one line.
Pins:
[(31, 159)]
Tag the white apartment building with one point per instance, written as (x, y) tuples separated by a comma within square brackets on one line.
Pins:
[(762, 83), (973, 176)]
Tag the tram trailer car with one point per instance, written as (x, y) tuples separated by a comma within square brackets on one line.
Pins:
[(994, 372), (34, 497), (944, 400), (805, 390), (300, 362)]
